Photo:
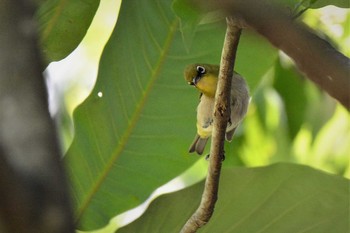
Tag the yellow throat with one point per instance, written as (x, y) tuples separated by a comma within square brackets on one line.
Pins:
[(207, 85)]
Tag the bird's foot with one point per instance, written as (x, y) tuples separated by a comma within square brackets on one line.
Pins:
[(222, 156)]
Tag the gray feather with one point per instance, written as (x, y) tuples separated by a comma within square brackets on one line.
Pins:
[(198, 145), (229, 134)]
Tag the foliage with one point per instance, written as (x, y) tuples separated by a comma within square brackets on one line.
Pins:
[(133, 131), (63, 25), (277, 198)]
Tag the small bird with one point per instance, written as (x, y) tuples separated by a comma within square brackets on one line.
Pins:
[(205, 78)]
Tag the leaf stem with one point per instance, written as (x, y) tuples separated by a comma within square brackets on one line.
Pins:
[(221, 115)]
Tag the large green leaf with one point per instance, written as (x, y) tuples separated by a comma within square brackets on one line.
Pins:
[(63, 24), (133, 131), (274, 199)]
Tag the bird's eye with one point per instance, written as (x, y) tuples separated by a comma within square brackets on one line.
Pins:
[(200, 69)]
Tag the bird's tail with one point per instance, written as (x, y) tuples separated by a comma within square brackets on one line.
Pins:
[(198, 145), (229, 135)]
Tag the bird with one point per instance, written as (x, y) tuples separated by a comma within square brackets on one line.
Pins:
[(204, 77)]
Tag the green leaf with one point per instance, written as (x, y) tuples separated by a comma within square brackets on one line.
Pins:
[(255, 56), (63, 24), (321, 108), (291, 87), (313, 3), (323, 3), (190, 16), (186, 10), (278, 198), (133, 132)]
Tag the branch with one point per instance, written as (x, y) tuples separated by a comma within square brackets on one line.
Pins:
[(315, 57), (221, 116), (33, 189)]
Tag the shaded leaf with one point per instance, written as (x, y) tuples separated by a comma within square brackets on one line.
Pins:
[(189, 16), (255, 56), (278, 198), (291, 87), (63, 24), (321, 108)]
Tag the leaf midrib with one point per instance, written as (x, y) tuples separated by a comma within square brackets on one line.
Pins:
[(133, 122), (54, 19)]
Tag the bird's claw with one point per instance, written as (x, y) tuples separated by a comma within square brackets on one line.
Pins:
[(222, 156)]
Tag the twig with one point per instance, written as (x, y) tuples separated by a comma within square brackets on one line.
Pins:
[(221, 115)]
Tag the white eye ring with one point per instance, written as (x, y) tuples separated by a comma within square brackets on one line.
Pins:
[(200, 69)]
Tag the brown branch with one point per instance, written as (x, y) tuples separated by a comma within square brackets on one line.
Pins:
[(221, 116), (315, 57), (33, 191)]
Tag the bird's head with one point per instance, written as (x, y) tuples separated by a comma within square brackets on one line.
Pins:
[(204, 77)]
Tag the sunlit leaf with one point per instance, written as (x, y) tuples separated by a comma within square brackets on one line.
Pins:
[(279, 198)]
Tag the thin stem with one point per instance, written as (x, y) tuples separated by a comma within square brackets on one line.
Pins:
[(221, 115)]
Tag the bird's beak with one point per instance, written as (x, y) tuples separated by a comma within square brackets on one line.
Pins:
[(193, 83)]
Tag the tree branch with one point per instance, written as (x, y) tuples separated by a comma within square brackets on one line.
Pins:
[(33, 191), (315, 57), (221, 116)]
